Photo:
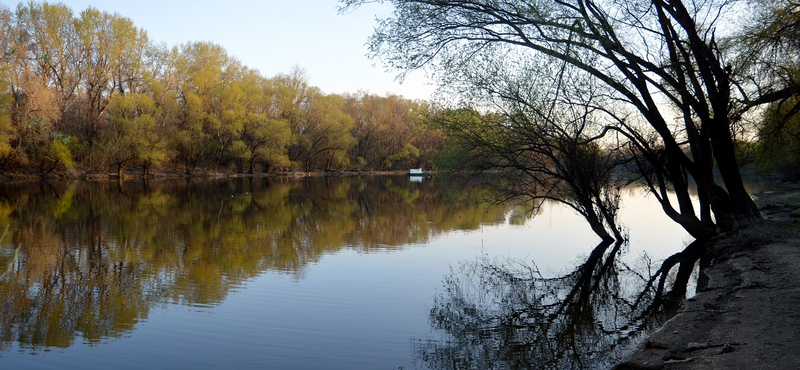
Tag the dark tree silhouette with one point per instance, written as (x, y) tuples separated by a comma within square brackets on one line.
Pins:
[(670, 91)]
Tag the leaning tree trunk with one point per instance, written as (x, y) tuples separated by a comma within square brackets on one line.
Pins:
[(734, 207)]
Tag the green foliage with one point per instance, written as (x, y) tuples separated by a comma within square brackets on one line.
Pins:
[(7, 131), (778, 145), (239, 152), (467, 134), (271, 140), (404, 158), (359, 164), (387, 132), (58, 152), (134, 135), (116, 100)]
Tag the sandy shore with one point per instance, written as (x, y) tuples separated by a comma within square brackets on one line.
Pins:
[(749, 315)]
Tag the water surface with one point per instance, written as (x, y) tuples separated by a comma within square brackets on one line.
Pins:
[(334, 273)]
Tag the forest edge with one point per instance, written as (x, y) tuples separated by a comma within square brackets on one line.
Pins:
[(178, 172)]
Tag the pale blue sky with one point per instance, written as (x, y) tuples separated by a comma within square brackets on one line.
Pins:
[(274, 35)]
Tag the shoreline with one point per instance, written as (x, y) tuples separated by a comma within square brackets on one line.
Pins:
[(180, 174), (746, 318)]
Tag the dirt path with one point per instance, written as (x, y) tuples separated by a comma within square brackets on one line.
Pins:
[(749, 316)]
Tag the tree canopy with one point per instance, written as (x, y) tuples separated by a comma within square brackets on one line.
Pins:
[(666, 82), (91, 92)]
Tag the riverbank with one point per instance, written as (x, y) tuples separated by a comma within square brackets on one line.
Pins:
[(176, 173), (749, 315)]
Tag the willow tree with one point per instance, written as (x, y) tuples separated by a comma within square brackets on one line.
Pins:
[(773, 40), (384, 131), (672, 96)]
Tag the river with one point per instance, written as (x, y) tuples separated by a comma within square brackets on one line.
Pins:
[(374, 272)]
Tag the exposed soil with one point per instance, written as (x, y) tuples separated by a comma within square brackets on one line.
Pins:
[(749, 315)]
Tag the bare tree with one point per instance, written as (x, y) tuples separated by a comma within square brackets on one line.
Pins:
[(671, 93)]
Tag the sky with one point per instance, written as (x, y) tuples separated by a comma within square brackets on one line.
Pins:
[(273, 36)]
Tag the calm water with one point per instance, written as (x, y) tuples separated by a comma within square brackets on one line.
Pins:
[(360, 273)]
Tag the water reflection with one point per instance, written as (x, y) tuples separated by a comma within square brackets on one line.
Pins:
[(89, 260), (506, 315)]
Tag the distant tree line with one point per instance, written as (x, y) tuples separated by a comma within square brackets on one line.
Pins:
[(91, 91)]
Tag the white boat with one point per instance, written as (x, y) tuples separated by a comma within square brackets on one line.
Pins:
[(418, 172)]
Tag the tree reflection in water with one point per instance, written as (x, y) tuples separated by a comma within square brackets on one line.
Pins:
[(89, 260), (508, 316)]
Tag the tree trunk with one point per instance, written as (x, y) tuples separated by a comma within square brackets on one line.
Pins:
[(239, 166), (735, 207), (121, 169)]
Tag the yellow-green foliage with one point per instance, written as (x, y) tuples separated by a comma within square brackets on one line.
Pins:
[(7, 131), (779, 138), (6, 127), (58, 151), (143, 104)]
